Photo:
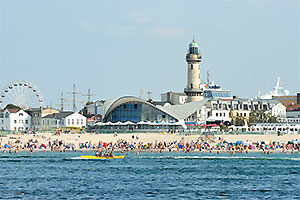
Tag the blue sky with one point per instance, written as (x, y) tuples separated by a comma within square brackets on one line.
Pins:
[(119, 47)]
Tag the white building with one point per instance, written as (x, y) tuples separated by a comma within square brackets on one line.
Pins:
[(64, 120), (14, 119), (75, 120), (218, 112), (279, 111)]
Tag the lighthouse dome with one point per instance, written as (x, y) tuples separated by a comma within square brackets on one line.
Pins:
[(194, 44), (193, 48)]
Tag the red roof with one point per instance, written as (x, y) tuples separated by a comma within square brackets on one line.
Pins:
[(293, 107), (12, 110)]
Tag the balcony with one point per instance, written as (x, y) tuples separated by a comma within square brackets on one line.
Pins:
[(193, 57)]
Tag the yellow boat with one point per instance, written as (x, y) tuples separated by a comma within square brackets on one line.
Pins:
[(103, 158)]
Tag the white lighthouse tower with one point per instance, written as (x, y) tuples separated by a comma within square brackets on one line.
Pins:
[(193, 58)]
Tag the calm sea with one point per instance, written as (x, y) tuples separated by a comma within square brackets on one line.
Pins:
[(50, 175)]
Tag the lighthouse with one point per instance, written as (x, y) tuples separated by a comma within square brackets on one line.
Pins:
[(193, 59)]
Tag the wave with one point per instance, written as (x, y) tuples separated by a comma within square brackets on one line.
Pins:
[(218, 158)]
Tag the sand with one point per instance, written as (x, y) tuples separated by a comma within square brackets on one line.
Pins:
[(141, 137)]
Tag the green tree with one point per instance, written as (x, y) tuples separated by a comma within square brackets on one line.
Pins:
[(223, 127), (239, 121), (261, 116)]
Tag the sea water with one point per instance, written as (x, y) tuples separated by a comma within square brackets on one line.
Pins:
[(54, 175)]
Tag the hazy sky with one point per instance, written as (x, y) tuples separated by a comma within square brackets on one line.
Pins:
[(119, 47)]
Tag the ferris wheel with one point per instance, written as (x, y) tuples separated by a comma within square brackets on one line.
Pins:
[(21, 93)]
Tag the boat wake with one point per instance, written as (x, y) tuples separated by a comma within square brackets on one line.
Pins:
[(75, 158)]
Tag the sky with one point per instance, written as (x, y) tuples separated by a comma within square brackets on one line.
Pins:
[(118, 48)]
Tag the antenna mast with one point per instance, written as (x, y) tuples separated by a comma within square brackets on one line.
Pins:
[(208, 76), (149, 95), (142, 94)]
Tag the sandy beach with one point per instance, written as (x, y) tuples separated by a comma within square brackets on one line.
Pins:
[(44, 138)]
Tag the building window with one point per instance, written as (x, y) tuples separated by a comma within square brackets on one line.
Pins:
[(235, 107), (81, 121), (77, 121), (15, 121), (215, 106), (191, 66), (69, 123), (192, 85), (209, 113), (21, 121), (72, 121), (217, 114), (135, 106), (244, 114)]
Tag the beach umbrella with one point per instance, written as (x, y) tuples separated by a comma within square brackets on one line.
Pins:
[(6, 146), (213, 125), (203, 125)]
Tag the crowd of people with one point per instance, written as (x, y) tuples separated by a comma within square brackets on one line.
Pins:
[(217, 144)]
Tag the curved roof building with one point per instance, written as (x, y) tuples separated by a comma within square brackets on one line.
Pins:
[(134, 109)]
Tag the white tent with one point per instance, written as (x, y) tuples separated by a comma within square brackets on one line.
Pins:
[(153, 123), (107, 124), (148, 123), (176, 124), (128, 123), (141, 123), (99, 124)]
